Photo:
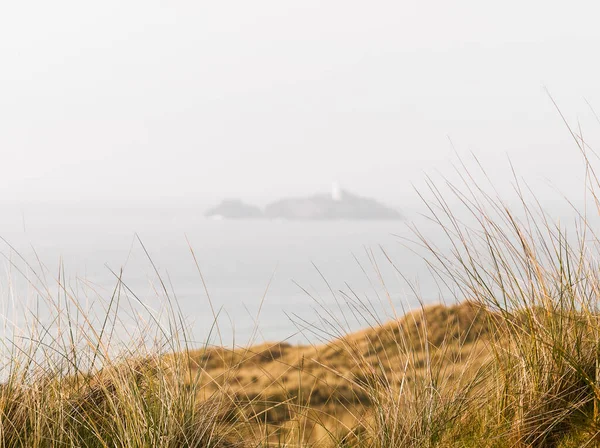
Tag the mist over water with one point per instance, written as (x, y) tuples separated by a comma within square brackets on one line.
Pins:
[(292, 265)]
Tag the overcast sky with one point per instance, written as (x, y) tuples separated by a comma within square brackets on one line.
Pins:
[(260, 99)]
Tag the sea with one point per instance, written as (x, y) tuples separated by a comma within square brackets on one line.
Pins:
[(218, 281)]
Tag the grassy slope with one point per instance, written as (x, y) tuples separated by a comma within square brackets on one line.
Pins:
[(443, 376), (309, 390)]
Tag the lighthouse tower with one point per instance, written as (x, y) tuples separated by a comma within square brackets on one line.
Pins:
[(336, 192)]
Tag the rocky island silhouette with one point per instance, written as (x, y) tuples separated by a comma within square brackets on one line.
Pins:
[(340, 204)]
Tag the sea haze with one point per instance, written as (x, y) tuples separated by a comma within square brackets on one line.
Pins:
[(294, 263)]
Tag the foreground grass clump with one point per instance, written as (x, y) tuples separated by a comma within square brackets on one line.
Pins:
[(132, 403), (78, 374), (542, 281)]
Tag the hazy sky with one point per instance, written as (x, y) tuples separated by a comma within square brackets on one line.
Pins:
[(258, 99)]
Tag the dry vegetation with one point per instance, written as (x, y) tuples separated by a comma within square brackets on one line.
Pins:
[(318, 392), (516, 363)]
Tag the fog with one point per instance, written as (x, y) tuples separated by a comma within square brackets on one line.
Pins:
[(148, 100)]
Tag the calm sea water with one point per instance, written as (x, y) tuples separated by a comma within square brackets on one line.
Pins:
[(311, 274)]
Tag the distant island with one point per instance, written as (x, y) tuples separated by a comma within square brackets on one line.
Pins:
[(234, 209), (340, 204)]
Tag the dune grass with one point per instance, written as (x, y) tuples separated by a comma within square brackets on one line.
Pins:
[(514, 363)]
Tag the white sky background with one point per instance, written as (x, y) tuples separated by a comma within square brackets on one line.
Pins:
[(143, 100)]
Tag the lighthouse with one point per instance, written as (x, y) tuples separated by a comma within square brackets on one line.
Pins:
[(336, 192)]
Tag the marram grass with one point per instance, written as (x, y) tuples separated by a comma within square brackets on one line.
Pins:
[(515, 363)]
